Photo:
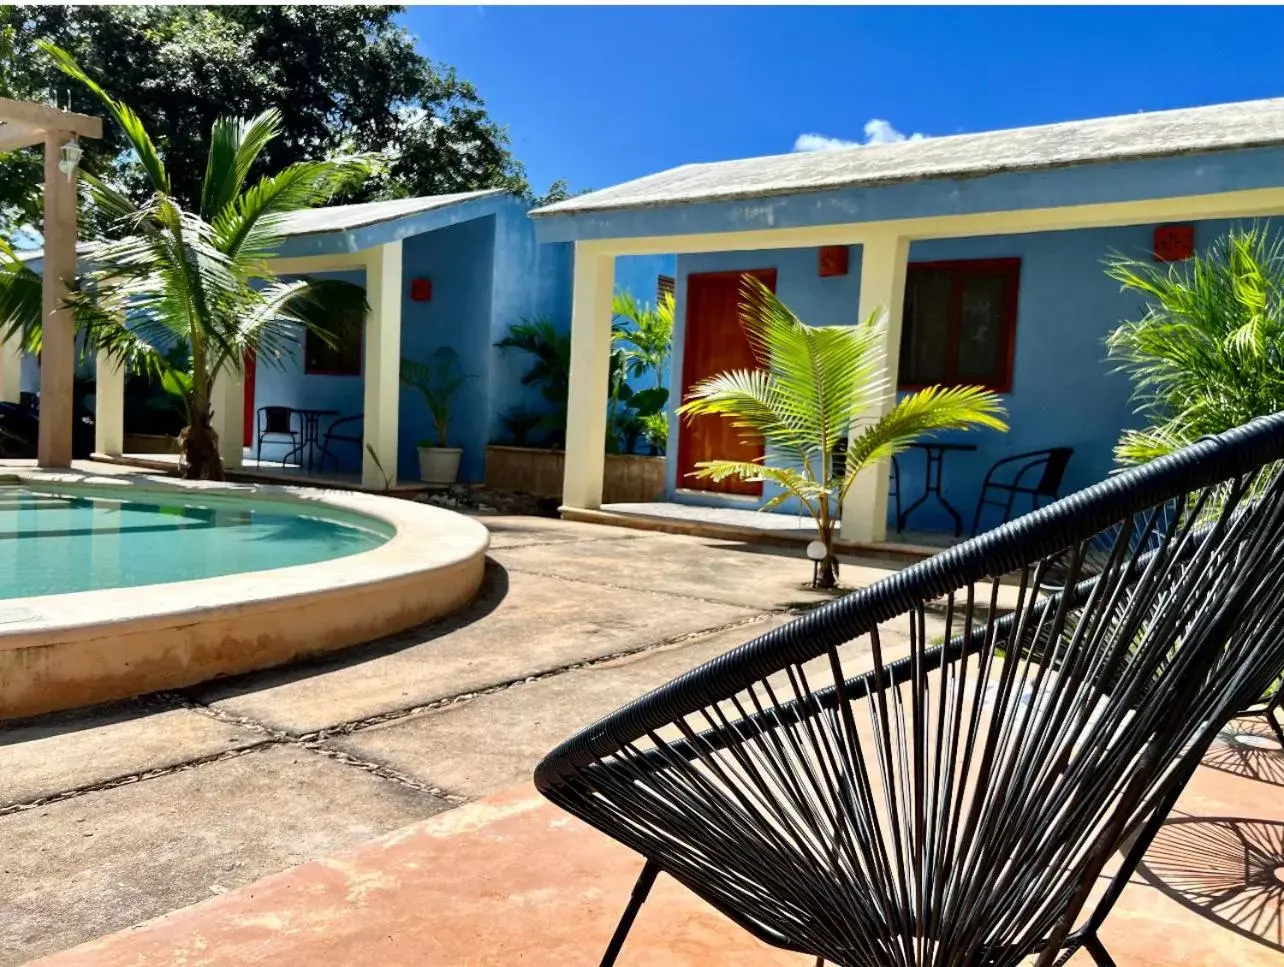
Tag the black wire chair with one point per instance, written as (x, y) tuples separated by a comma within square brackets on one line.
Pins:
[(958, 804), (347, 430), (1036, 474), (279, 421)]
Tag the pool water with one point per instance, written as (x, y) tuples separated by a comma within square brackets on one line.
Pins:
[(55, 542)]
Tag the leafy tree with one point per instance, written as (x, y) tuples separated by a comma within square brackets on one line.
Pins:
[(1207, 355), (344, 79), (172, 275), (815, 383)]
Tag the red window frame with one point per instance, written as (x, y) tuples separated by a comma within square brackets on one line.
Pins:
[(1009, 269)]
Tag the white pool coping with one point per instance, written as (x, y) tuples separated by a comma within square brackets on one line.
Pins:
[(433, 554)]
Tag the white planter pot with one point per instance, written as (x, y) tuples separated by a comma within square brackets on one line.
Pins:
[(439, 465)]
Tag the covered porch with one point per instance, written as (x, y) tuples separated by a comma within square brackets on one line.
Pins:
[(1050, 204), (429, 267)]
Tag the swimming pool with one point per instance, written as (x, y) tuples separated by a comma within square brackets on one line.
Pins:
[(55, 542)]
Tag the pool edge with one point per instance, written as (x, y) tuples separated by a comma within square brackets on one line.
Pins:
[(89, 647)]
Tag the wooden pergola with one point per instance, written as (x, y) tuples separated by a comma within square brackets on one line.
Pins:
[(22, 124)]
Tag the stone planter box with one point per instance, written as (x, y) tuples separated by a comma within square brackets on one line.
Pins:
[(629, 478), (149, 443)]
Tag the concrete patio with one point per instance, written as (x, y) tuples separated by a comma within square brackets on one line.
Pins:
[(385, 795)]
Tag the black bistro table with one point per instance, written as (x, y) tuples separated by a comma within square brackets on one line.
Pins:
[(311, 437), (935, 453)]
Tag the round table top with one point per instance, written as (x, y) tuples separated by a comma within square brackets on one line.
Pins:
[(958, 447)]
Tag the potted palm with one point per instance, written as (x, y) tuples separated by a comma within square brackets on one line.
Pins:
[(437, 381), (814, 385)]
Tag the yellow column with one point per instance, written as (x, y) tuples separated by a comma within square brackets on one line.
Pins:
[(58, 349), (882, 289), (382, 365), (227, 400), (590, 360), (10, 371), (109, 406)]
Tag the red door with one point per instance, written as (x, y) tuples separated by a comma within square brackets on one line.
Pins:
[(715, 343), (250, 365)]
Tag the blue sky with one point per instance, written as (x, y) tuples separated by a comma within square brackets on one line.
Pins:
[(599, 95)]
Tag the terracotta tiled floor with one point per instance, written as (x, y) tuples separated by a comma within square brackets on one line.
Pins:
[(511, 880)]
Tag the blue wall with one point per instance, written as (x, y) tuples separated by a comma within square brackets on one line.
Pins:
[(1064, 391), (281, 381), (487, 272), (458, 260)]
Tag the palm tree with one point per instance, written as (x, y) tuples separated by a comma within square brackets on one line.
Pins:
[(164, 276), (644, 333), (1207, 355), (815, 385)]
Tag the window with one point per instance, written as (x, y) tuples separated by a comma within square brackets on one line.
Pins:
[(342, 357), (960, 324), (663, 287)]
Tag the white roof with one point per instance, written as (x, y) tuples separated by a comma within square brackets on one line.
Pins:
[(1217, 127), (340, 218), (344, 218)]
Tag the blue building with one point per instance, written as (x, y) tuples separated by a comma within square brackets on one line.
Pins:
[(450, 271), (984, 253)]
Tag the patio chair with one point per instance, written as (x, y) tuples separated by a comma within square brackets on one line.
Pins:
[(1036, 474), (346, 429), (279, 421), (957, 803)]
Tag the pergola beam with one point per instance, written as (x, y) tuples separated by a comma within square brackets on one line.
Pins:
[(43, 117)]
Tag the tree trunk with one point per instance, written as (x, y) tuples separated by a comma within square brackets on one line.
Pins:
[(825, 576), (198, 446)]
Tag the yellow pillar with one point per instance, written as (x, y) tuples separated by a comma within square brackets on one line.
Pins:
[(10, 371), (227, 400), (58, 349), (382, 365), (882, 289), (590, 361), (109, 406)]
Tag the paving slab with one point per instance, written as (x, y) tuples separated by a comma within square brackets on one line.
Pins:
[(494, 741), (514, 530), (524, 624), (107, 860), (693, 567), (71, 750)]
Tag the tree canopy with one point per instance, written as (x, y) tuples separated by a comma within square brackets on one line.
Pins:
[(344, 79)]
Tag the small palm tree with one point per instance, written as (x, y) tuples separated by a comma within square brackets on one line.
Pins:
[(815, 385), (550, 372), (1208, 353), (644, 333), (165, 275)]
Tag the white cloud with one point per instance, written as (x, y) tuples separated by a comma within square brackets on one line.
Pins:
[(877, 131)]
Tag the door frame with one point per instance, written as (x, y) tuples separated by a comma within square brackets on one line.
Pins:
[(769, 276)]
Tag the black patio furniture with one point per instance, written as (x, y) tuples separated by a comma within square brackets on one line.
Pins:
[(310, 442), (959, 803), (935, 454), (1036, 474), (347, 430), (278, 421)]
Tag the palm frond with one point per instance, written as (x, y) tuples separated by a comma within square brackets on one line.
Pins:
[(235, 145), (21, 308), (122, 114)]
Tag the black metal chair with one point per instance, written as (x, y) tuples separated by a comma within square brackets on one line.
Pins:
[(1037, 474), (958, 804), (347, 430), (279, 421)]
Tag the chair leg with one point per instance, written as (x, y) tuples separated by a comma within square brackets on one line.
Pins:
[(976, 518), (640, 890), (1097, 951)]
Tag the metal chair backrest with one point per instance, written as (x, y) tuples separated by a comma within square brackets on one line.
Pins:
[(276, 419), (1054, 471), (936, 769)]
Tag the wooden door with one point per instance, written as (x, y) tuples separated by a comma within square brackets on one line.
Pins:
[(714, 343), (248, 419)]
